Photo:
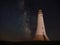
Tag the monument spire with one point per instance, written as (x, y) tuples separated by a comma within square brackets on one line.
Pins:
[(40, 31)]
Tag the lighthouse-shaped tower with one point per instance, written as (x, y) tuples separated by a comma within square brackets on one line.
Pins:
[(40, 31)]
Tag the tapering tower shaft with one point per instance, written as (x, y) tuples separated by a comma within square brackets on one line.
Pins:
[(40, 32)]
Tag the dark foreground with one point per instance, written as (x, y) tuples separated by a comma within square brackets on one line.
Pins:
[(29, 42)]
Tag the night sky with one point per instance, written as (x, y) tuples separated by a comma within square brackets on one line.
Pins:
[(12, 17)]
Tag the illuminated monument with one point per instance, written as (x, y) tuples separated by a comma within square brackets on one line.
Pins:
[(40, 32)]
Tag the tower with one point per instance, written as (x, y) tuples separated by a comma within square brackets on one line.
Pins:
[(40, 31)]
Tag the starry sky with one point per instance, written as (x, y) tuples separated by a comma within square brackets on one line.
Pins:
[(12, 17)]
